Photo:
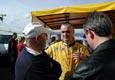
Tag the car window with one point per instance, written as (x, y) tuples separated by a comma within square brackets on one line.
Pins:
[(4, 39)]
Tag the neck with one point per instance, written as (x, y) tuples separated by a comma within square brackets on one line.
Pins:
[(33, 47), (70, 40), (69, 44), (100, 40)]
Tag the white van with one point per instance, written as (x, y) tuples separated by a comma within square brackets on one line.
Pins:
[(4, 44)]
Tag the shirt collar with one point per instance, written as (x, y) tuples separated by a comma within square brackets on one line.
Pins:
[(70, 44), (33, 52)]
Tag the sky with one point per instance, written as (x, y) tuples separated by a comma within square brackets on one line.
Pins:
[(18, 11)]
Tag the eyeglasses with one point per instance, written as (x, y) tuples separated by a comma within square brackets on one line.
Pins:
[(65, 31), (87, 30)]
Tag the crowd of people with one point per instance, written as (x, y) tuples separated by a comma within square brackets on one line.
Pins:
[(65, 59)]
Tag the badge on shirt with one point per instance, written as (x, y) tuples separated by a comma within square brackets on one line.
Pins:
[(56, 48)]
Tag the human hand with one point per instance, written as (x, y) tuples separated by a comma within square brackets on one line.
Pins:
[(78, 55)]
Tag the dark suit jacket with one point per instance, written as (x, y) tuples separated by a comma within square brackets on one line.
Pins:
[(99, 66)]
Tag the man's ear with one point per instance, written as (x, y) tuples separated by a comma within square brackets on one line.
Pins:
[(37, 38), (91, 34)]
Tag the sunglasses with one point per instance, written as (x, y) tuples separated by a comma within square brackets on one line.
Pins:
[(65, 31)]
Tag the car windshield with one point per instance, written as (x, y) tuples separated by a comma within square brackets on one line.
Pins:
[(4, 39)]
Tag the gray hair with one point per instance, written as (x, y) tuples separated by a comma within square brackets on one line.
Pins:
[(99, 23)]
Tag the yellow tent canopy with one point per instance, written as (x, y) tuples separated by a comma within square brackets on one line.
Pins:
[(107, 6), (75, 15)]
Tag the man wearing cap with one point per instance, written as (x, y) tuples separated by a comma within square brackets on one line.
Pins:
[(33, 63)]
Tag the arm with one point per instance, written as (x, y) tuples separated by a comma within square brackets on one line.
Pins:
[(85, 70)]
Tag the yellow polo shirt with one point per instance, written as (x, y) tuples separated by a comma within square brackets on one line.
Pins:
[(63, 54)]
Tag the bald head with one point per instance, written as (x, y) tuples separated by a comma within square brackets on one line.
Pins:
[(67, 25), (67, 32)]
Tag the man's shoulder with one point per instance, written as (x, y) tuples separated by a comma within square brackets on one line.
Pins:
[(79, 44), (57, 43), (82, 46)]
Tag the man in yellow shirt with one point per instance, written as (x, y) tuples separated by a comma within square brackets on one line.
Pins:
[(67, 52)]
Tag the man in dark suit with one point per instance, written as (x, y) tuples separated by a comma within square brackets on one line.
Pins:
[(101, 64)]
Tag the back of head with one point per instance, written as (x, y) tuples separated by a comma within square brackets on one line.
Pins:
[(99, 23), (14, 35), (58, 37), (53, 39), (21, 39)]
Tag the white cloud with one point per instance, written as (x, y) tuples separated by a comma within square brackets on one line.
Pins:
[(17, 11)]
